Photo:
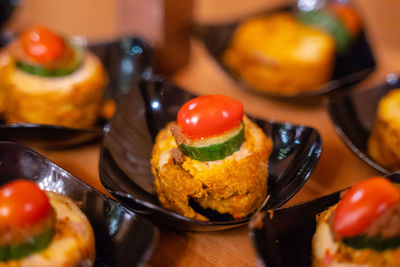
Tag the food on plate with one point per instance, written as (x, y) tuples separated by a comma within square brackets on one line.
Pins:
[(42, 228), (363, 229), (290, 53), (383, 143), (214, 155), (48, 79)]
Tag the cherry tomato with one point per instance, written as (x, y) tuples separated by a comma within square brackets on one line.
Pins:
[(362, 204), (22, 203), (348, 16), (42, 45), (209, 115)]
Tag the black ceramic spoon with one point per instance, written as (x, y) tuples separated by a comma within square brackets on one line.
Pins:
[(351, 67), (122, 238), (126, 151), (282, 238), (353, 116), (125, 60)]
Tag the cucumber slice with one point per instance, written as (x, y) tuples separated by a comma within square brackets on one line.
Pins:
[(59, 72), (215, 151), (35, 244), (329, 22), (376, 243)]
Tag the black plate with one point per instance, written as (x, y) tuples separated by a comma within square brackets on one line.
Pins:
[(353, 116), (122, 237), (284, 239), (126, 151), (351, 67), (124, 59)]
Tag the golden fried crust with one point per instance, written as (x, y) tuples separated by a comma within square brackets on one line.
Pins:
[(344, 256), (6, 68), (384, 142), (73, 243), (73, 100), (279, 55), (236, 185)]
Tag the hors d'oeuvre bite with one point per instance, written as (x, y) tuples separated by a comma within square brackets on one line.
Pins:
[(383, 143), (289, 53), (362, 230), (42, 228), (213, 155), (48, 79)]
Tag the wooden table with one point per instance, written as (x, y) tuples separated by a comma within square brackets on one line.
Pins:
[(337, 168)]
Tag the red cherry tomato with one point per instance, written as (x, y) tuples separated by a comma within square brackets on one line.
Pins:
[(362, 204), (22, 203), (348, 16), (42, 45), (209, 115)]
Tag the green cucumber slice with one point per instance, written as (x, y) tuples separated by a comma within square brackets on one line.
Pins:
[(330, 23), (214, 151), (376, 243), (35, 244), (59, 72)]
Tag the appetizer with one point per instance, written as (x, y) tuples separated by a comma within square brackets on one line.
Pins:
[(363, 229), (213, 155), (286, 54), (42, 228), (47, 79), (383, 143)]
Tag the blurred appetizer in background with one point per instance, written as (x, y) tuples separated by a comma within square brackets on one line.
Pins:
[(363, 229), (42, 228), (48, 79), (213, 155), (384, 141), (288, 53)]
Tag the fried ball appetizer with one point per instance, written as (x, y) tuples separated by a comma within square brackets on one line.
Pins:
[(286, 54), (384, 141), (362, 230), (47, 79), (214, 155), (40, 228)]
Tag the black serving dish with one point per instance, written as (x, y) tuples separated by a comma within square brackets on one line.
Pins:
[(122, 237), (125, 60), (353, 116), (284, 238), (350, 67), (126, 151)]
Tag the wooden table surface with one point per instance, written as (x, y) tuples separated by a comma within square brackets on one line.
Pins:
[(338, 166)]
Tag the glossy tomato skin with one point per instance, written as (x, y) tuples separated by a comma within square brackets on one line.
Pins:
[(42, 45), (22, 203), (362, 204), (209, 115)]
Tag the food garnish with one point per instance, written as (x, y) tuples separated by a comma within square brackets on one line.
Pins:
[(26, 220), (42, 45), (360, 207), (48, 54), (362, 204), (212, 126)]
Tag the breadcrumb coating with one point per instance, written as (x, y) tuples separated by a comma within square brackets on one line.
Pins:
[(236, 184)]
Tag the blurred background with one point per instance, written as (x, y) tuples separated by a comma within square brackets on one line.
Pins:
[(101, 20)]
